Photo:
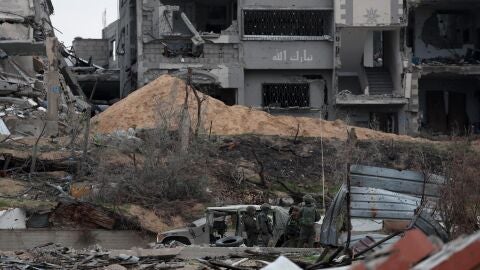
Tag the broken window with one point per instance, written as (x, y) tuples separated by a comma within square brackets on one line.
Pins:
[(284, 95), (308, 23), (213, 16)]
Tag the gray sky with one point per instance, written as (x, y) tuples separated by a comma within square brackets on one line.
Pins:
[(82, 18)]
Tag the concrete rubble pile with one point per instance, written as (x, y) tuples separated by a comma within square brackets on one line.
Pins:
[(44, 114), (37, 88)]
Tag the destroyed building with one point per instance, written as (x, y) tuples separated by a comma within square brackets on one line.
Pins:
[(24, 26), (443, 38), (38, 90), (397, 66)]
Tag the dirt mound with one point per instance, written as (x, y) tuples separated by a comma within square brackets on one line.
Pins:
[(163, 98)]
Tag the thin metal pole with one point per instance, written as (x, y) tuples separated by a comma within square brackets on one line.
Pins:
[(323, 165)]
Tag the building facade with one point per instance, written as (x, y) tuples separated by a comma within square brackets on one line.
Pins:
[(372, 63)]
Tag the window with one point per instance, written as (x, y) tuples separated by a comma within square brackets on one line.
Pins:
[(307, 23), (284, 95)]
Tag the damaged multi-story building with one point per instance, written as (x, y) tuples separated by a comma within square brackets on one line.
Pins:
[(37, 87), (394, 65), (443, 40)]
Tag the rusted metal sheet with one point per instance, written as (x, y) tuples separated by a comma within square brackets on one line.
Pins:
[(406, 182), (382, 204)]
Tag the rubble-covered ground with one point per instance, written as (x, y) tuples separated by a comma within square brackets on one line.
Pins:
[(159, 170)]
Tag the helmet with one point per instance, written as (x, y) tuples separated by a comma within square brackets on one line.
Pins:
[(265, 206), (251, 209), (308, 199)]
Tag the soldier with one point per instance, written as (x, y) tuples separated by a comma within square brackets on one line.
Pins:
[(292, 230), (308, 217), (249, 222), (265, 224)]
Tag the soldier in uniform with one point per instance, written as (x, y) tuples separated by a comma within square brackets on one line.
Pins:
[(292, 230), (308, 216), (249, 222), (265, 224)]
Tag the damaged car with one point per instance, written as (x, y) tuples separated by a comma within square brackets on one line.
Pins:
[(221, 226)]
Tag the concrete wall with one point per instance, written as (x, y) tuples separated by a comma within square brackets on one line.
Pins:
[(95, 48), (128, 42), (26, 239), (16, 31), (360, 115), (288, 54), (353, 42), (255, 78), (352, 48), (392, 59), (368, 12), (110, 33)]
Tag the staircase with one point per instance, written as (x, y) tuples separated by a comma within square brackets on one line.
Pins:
[(379, 81)]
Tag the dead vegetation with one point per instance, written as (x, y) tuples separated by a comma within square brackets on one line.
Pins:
[(160, 168), (460, 197)]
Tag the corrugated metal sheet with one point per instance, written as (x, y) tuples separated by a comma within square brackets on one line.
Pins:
[(406, 182), (382, 204), (379, 193)]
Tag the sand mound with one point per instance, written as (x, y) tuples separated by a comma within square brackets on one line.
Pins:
[(163, 99)]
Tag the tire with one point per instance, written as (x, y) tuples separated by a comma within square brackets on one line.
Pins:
[(229, 241)]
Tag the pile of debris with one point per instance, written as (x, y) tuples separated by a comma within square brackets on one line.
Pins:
[(38, 92), (162, 102), (414, 251), (52, 256), (472, 57)]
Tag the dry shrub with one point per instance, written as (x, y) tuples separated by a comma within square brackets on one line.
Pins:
[(174, 162), (459, 203)]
